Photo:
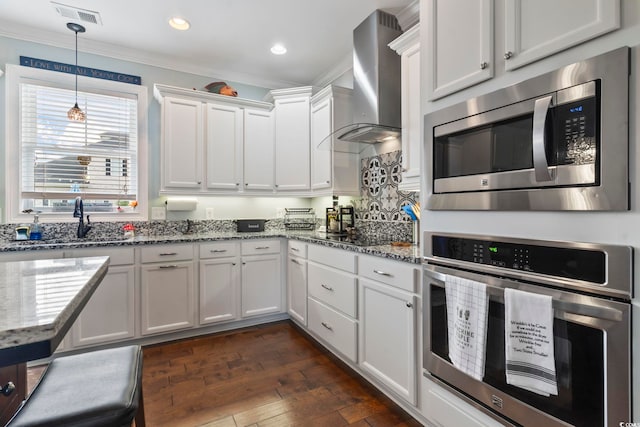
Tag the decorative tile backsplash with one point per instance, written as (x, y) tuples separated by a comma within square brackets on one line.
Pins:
[(381, 200)]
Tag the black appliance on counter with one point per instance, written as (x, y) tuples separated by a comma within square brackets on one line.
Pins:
[(591, 287), (250, 225), (339, 219)]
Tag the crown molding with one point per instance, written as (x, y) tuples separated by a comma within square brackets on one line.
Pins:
[(344, 65), (408, 39), (409, 16)]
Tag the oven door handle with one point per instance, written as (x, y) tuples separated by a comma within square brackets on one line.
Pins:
[(539, 141), (496, 293)]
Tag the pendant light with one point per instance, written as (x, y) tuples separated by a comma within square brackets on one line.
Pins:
[(75, 113)]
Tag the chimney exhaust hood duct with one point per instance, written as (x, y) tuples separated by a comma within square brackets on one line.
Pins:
[(376, 87)]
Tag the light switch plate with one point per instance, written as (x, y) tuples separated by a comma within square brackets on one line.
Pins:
[(209, 213), (158, 213)]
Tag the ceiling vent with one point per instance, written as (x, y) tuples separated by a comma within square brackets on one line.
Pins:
[(77, 14)]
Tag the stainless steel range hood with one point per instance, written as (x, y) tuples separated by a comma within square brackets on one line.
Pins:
[(376, 86)]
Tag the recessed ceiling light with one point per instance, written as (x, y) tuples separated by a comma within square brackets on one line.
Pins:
[(278, 49), (179, 23)]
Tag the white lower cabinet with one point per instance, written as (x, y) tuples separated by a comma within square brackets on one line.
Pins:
[(388, 337), (167, 289), (336, 329), (332, 299), (110, 312), (297, 288), (219, 285), (261, 278)]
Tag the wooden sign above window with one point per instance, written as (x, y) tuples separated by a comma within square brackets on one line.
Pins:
[(81, 71)]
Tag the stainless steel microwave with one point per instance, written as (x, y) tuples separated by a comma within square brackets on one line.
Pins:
[(558, 141)]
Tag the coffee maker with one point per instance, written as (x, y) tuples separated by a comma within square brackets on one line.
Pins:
[(339, 219)]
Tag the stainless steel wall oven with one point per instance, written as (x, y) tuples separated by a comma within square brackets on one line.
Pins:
[(558, 141), (590, 286)]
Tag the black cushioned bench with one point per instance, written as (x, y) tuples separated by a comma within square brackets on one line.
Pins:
[(95, 389)]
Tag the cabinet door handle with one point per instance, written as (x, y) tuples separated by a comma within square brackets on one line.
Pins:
[(217, 251), (326, 326), (169, 266), (168, 253), (295, 261), (262, 247), (483, 65), (329, 288), (233, 263), (8, 388), (508, 55), (383, 273), (409, 304)]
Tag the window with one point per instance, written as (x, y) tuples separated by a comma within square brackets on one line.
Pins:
[(102, 160)]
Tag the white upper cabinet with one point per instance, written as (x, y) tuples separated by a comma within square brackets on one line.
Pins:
[(332, 172), (408, 47), (459, 45), (292, 110), (224, 146), (458, 36), (182, 141), (259, 148), (536, 29), (205, 138)]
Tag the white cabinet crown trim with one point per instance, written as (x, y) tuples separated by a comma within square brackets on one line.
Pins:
[(160, 91)]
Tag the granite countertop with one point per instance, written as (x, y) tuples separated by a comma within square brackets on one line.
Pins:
[(409, 254), (40, 300)]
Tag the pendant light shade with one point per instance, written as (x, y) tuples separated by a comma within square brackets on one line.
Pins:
[(75, 113)]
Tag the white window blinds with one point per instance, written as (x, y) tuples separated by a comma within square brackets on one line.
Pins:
[(62, 159)]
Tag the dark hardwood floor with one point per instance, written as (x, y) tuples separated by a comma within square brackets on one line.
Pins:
[(268, 375)]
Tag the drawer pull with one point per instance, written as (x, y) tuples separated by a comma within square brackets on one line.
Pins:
[(8, 388), (295, 261), (168, 253), (217, 251), (383, 273), (295, 249), (262, 247), (169, 266), (329, 288), (326, 326)]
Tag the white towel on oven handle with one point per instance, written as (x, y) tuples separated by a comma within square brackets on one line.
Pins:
[(528, 338), (467, 310)]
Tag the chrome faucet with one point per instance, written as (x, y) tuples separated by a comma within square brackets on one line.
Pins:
[(78, 212)]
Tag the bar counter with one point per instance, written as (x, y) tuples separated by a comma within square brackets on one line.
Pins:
[(39, 301)]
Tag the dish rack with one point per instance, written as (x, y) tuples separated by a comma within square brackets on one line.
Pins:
[(299, 218)]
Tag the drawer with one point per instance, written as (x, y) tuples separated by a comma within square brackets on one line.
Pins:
[(117, 256), (337, 330), (333, 287), (218, 250), (395, 273), (260, 246), (336, 258), (297, 248), (163, 253)]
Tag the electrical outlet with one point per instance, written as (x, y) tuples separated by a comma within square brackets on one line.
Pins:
[(209, 213), (158, 213)]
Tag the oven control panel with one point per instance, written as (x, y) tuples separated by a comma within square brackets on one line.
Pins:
[(574, 263)]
